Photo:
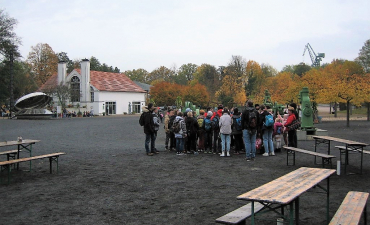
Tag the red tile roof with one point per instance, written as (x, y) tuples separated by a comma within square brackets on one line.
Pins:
[(49, 84), (103, 81)]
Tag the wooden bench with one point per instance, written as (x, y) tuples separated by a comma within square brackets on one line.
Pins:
[(342, 150), (326, 159), (239, 215), (351, 209), (52, 157), (10, 154)]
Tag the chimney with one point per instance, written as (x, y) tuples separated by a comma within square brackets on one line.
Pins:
[(62, 70), (85, 80)]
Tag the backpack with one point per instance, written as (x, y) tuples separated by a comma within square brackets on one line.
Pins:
[(238, 124), (269, 121), (207, 124), (176, 127), (216, 122), (252, 122), (200, 122), (170, 124), (142, 119), (279, 130)]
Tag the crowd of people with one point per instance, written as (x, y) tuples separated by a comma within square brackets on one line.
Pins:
[(219, 131)]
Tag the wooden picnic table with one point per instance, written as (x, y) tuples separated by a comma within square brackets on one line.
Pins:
[(25, 144), (353, 145), (287, 189)]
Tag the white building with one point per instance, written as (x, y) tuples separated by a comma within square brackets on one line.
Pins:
[(102, 92)]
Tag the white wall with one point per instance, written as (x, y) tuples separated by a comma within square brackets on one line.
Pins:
[(122, 100)]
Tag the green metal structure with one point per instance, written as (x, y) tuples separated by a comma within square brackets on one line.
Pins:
[(316, 59), (306, 110)]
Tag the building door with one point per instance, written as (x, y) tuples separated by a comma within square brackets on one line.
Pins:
[(110, 108), (136, 107)]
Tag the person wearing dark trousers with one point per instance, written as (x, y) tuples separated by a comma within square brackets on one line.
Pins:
[(237, 131), (192, 128), (149, 129)]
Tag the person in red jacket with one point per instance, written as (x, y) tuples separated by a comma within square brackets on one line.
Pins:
[(291, 133)]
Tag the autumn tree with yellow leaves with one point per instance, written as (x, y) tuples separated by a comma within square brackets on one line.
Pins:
[(344, 83), (43, 62)]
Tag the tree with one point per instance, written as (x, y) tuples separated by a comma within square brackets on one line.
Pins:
[(9, 41), (160, 74), (23, 83), (301, 69), (197, 94), (140, 75), (63, 57), (253, 78), (364, 56), (344, 84), (95, 65), (208, 76), (61, 91), (43, 62), (231, 91), (165, 93), (185, 74), (268, 70)]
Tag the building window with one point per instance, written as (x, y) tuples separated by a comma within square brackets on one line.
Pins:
[(110, 108), (75, 89), (92, 94)]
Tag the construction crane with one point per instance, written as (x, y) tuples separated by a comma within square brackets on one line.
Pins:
[(316, 59)]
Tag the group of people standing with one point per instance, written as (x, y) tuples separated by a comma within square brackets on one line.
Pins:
[(214, 132)]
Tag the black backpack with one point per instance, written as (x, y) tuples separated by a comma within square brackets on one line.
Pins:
[(252, 122), (142, 119), (170, 123), (216, 122)]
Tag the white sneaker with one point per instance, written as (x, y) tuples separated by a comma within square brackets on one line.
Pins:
[(222, 154), (272, 153), (265, 154), (228, 154)]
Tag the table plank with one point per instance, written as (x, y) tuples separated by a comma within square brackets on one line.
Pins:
[(12, 143), (285, 189), (348, 142)]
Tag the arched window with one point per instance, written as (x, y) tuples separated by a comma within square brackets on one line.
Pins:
[(75, 89), (92, 94)]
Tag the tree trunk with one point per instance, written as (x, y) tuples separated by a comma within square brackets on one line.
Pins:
[(368, 111), (336, 110), (330, 108), (348, 105)]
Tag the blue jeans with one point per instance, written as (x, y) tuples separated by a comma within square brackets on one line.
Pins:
[(267, 140), (149, 138), (250, 143), (180, 144), (225, 141)]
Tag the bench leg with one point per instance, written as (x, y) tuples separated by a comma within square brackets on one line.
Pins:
[(290, 153), (291, 213), (365, 216), (51, 159)]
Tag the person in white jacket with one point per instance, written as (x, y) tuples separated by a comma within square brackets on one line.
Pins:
[(225, 131)]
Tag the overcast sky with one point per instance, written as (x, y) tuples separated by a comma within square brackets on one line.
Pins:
[(133, 34)]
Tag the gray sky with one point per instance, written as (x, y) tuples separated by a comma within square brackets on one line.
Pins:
[(132, 34)]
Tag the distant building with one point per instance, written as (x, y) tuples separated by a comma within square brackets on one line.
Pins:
[(145, 87), (102, 92)]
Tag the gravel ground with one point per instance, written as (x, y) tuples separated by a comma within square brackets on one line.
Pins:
[(106, 178)]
